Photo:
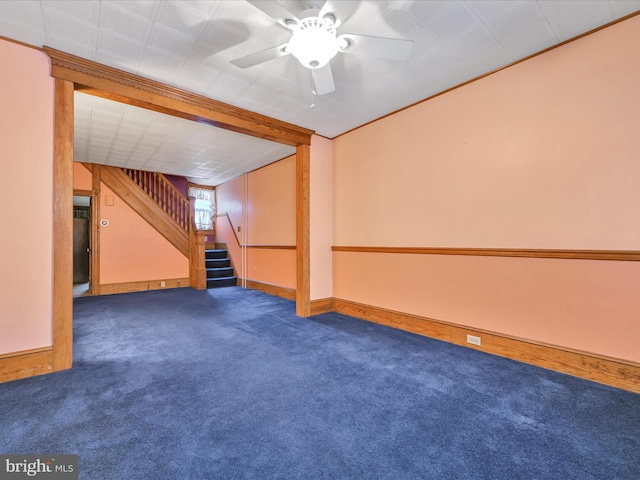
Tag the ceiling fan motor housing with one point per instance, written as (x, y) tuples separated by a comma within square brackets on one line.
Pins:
[(314, 41)]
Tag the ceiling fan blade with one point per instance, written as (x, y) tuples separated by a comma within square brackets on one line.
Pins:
[(323, 80), (340, 10), (382, 47), (275, 11), (261, 56)]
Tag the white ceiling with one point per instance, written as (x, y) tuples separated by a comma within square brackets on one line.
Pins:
[(119, 135), (189, 44)]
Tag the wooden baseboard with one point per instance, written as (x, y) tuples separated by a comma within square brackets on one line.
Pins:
[(27, 363), (276, 290), (127, 287), (321, 305), (598, 368)]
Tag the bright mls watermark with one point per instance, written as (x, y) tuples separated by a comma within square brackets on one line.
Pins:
[(49, 467)]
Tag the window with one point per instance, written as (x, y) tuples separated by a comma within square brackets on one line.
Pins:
[(205, 207)]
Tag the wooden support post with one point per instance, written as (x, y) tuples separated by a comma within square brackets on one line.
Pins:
[(303, 282), (63, 226)]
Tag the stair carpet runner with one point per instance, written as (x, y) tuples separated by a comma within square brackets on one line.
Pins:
[(219, 269)]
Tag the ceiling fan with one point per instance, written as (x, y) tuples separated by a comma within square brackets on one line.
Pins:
[(314, 42)]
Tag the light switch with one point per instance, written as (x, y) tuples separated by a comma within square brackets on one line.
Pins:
[(108, 200)]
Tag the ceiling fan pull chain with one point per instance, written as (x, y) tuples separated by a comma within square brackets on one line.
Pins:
[(313, 88)]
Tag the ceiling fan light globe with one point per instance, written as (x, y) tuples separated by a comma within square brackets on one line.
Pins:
[(314, 42)]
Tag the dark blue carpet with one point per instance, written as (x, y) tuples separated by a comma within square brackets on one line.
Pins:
[(185, 384)]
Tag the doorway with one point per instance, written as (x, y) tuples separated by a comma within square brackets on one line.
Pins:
[(81, 245)]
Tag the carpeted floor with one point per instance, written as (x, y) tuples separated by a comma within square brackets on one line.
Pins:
[(185, 384)]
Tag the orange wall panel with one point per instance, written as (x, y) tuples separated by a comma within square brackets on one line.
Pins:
[(132, 250), (26, 147), (271, 212), (321, 217), (587, 305), (230, 200), (82, 177), (269, 203), (224, 234), (275, 267), (543, 154), (539, 155)]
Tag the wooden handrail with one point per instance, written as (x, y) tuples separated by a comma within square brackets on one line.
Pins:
[(161, 191)]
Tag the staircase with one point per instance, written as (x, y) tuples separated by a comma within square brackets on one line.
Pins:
[(153, 197), (219, 270)]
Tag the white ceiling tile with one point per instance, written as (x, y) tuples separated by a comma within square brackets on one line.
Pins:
[(84, 10), (204, 6), (196, 78), (468, 42), (22, 33), (490, 8), (25, 12), (171, 41), (145, 8), (64, 44), (621, 8), (392, 23), (125, 22), (519, 15), (60, 24), (157, 64), (452, 22), (119, 46), (423, 12), (220, 37), (182, 18), (569, 18), (229, 87)]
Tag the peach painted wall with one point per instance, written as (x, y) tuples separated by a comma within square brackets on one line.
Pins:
[(131, 250), (271, 207), (224, 234), (540, 155), (26, 242), (275, 267), (270, 220), (543, 154), (229, 200), (82, 178), (321, 217)]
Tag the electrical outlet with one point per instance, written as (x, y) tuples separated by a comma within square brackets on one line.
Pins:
[(255, 269), (163, 284), (473, 340)]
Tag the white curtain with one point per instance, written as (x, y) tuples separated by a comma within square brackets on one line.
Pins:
[(205, 207)]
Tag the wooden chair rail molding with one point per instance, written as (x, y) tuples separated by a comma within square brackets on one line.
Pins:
[(619, 255), (598, 368), (107, 82), (272, 247)]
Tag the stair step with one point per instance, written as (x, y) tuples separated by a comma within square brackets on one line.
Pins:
[(222, 282), (219, 272), (218, 263), (212, 254)]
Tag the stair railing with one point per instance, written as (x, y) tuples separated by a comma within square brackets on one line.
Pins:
[(161, 191)]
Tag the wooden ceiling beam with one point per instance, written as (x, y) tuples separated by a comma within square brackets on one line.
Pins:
[(108, 82)]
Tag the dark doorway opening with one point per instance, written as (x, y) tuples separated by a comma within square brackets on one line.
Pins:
[(81, 245)]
